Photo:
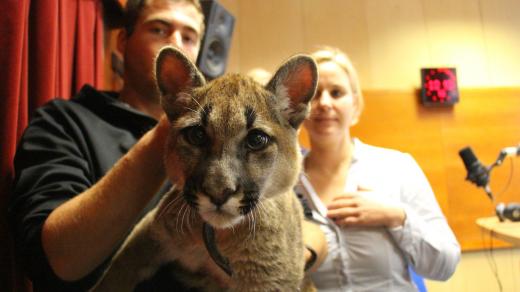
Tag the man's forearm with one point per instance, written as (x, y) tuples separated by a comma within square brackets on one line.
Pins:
[(80, 234)]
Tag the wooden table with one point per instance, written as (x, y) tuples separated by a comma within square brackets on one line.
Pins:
[(506, 230)]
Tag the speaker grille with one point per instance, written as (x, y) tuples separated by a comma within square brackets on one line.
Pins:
[(212, 60)]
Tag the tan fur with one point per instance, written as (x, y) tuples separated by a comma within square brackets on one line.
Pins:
[(264, 245)]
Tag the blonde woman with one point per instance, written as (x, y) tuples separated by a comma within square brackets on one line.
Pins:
[(375, 205)]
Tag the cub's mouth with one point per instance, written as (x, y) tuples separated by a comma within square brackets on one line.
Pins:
[(222, 209), (224, 214)]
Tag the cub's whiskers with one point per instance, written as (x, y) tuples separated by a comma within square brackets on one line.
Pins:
[(168, 206)]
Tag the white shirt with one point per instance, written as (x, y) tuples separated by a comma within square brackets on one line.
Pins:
[(377, 258)]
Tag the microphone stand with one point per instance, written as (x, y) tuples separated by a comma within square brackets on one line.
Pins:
[(500, 159)]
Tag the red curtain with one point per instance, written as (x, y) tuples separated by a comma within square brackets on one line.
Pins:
[(48, 48)]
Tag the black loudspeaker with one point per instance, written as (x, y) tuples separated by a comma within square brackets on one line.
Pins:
[(215, 45)]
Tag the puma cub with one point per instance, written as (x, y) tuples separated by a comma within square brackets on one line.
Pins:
[(232, 152)]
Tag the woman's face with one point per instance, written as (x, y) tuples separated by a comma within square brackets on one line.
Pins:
[(333, 108)]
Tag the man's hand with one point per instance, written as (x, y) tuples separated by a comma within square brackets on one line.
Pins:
[(314, 238), (103, 214)]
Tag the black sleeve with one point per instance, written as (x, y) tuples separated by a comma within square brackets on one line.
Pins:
[(50, 168)]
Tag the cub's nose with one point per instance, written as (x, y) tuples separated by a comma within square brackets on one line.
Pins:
[(222, 198)]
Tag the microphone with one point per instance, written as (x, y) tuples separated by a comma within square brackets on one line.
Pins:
[(479, 175), (510, 211), (477, 172)]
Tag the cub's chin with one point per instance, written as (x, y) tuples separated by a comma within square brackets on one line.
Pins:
[(221, 220), (220, 217)]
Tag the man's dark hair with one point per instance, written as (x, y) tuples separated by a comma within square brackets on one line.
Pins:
[(134, 8)]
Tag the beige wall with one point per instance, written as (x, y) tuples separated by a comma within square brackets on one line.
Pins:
[(389, 41), (475, 273)]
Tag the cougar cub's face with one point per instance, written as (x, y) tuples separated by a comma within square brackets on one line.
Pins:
[(233, 142)]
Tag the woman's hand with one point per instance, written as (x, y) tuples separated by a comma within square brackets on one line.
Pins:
[(354, 209)]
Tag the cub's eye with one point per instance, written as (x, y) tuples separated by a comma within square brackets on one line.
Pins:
[(257, 140), (195, 135)]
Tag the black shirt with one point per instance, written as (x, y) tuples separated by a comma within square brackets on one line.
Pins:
[(67, 147)]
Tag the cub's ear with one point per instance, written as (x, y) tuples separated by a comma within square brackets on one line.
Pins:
[(294, 85), (175, 76)]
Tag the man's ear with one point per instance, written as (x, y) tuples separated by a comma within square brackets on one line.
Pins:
[(175, 77), (121, 41), (294, 85)]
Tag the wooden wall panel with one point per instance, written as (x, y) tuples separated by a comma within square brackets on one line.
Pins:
[(487, 120)]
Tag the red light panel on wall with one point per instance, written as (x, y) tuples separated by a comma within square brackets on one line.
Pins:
[(439, 86)]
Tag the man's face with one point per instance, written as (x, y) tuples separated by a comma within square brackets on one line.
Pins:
[(161, 23)]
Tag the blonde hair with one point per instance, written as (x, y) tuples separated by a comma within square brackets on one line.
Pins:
[(260, 75), (336, 56)]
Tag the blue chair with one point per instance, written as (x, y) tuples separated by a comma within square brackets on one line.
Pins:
[(417, 280)]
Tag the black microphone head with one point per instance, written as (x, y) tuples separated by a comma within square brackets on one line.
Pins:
[(468, 157), (477, 173)]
